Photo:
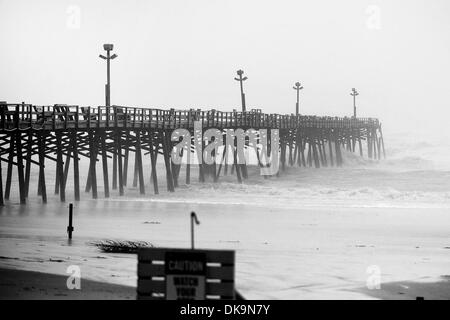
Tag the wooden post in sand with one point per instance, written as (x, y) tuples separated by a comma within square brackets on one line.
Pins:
[(70, 226)]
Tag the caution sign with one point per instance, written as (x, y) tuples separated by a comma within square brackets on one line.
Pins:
[(185, 275)]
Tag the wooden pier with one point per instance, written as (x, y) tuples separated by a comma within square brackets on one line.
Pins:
[(31, 135)]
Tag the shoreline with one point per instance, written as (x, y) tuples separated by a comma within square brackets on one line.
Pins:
[(31, 285), (280, 253)]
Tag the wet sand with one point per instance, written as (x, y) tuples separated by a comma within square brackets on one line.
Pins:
[(304, 253), (29, 285)]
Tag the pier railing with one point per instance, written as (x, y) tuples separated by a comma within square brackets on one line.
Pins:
[(57, 117)]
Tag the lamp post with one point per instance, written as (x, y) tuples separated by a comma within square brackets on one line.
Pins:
[(241, 79), (354, 93), (108, 48), (297, 87)]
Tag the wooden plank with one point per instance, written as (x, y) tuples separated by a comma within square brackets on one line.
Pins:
[(67, 164), (138, 156), (150, 297), (42, 190), (147, 286), (2, 203), (220, 289), (166, 149), (105, 164), (147, 270), (10, 166), (188, 164), (93, 162), (136, 171), (76, 173), (20, 168), (158, 254), (330, 151), (28, 161), (153, 144), (119, 160), (125, 163), (62, 185), (114, 183)]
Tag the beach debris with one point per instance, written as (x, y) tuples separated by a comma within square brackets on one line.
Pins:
[(121, 246), (9, 258), (231, 241), (151, 222)]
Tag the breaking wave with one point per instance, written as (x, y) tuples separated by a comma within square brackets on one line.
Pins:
[(414, 174)]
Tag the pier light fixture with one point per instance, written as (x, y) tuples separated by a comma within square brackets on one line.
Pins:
[(354, 93), (297, 87), (108, 48), (241, 79)]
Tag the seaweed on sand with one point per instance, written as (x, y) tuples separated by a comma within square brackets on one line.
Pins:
[(121, 246)]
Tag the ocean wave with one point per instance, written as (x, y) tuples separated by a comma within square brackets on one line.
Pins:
[(415, 173), (277, 195), (401, 160), (415, 151)]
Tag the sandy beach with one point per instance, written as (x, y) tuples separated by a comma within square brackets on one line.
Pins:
[(313, 253), (29, 285)]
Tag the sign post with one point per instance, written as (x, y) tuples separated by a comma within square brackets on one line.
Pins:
[(182, 274), (194, 219)]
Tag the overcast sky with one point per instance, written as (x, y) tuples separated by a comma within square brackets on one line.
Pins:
[(185, 54)]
